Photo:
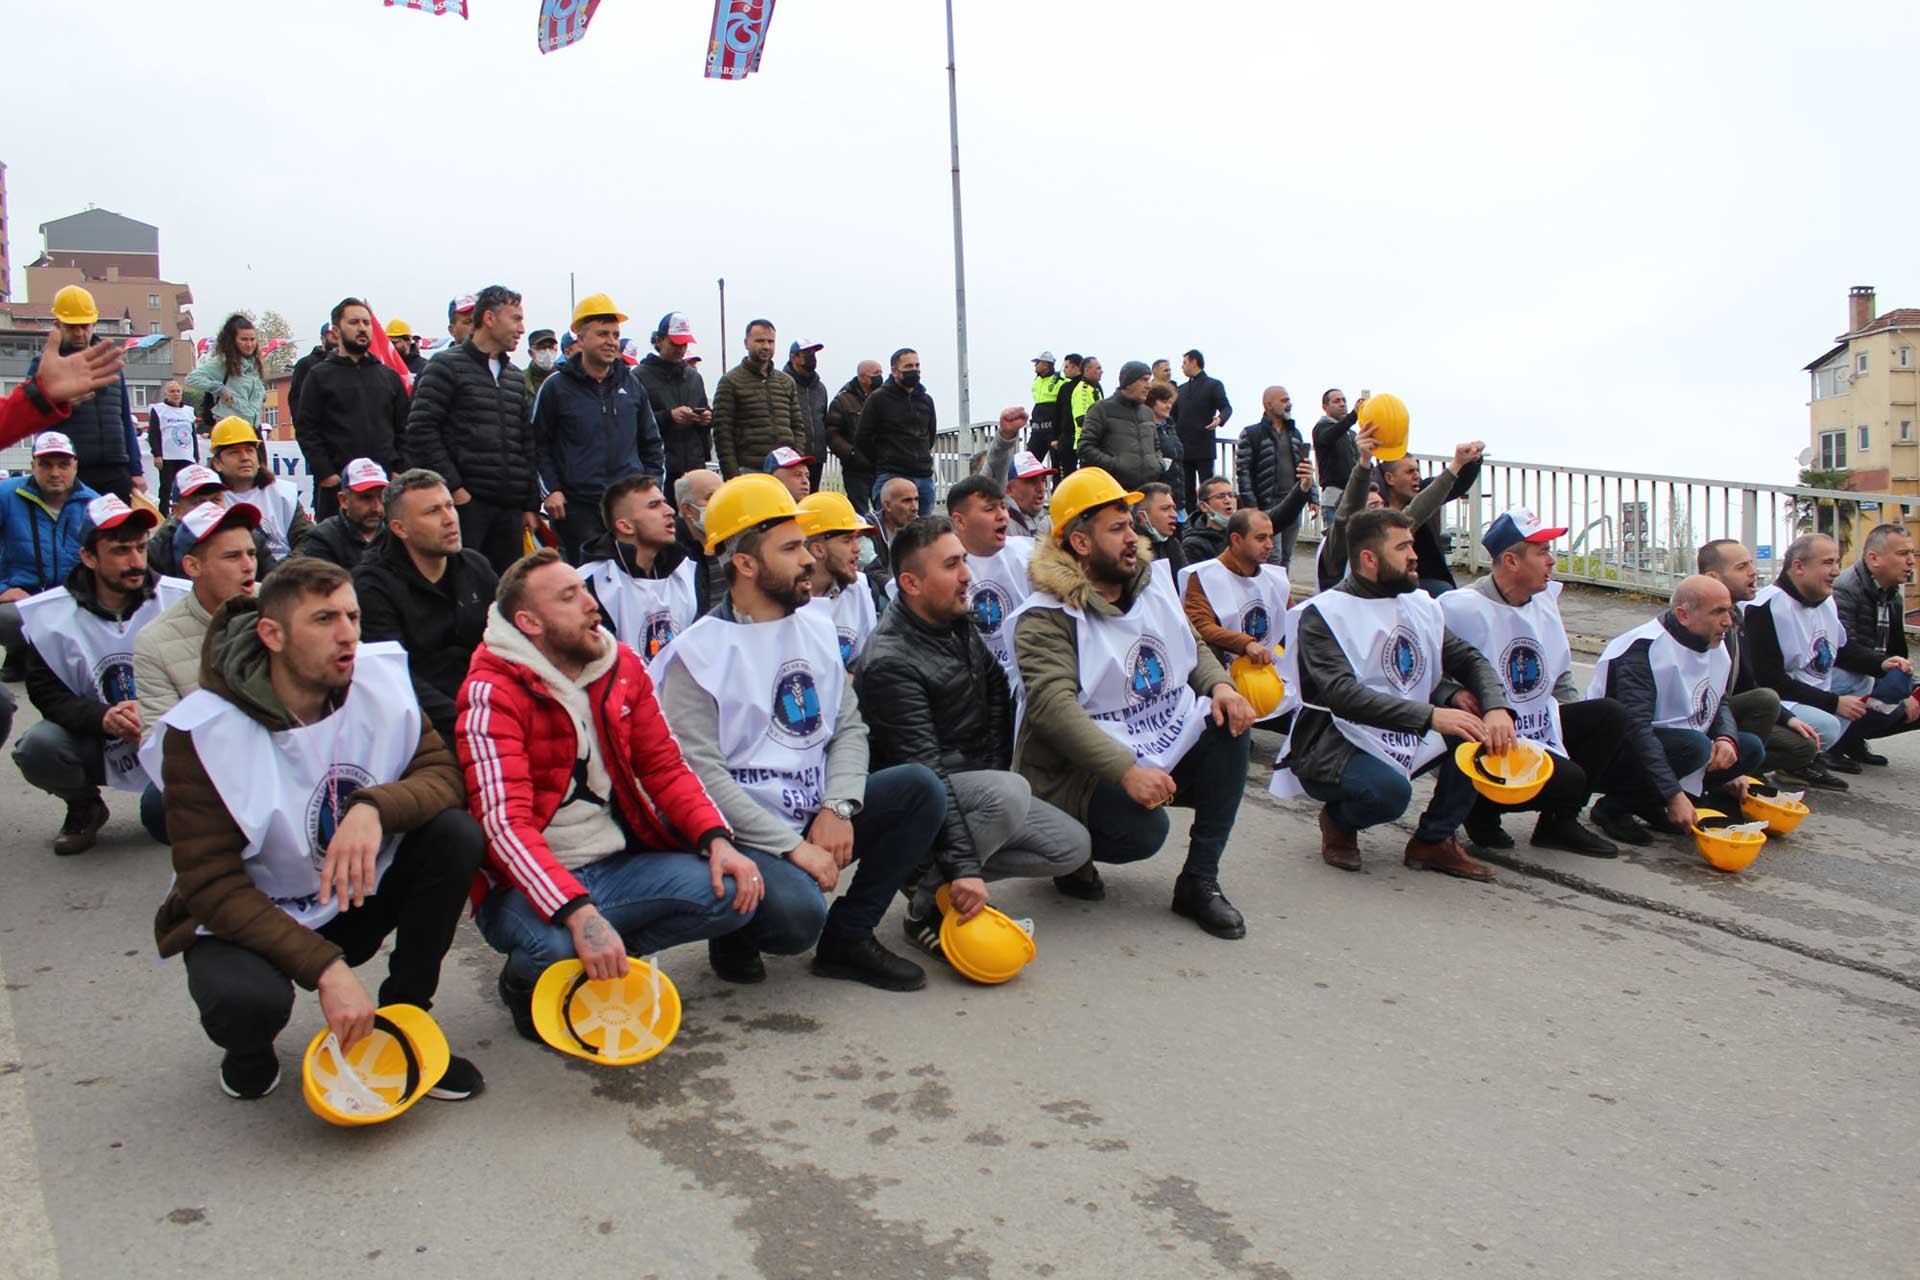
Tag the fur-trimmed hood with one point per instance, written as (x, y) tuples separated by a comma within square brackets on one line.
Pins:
[(1054, 571)]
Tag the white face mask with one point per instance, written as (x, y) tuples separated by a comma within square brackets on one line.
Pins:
[(544, 358)]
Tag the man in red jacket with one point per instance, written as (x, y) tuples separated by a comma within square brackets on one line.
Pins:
[(588, 807)]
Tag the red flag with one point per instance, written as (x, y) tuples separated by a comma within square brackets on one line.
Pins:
[(564, 21), (435, 7), (739, 35), (383, 351)]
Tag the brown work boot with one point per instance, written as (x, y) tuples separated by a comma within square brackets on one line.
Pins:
[(1337, 848), (1448, 858)]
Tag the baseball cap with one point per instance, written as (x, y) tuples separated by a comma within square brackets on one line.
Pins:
[(108, 512), (782, 458), (805, 344), (363, 474), (208, 519), (52, 442), (540, 337), (1046, 356), (1026, 466), (462, 303), (195, 478), (674, 326), (326, 328), (1514, 527)]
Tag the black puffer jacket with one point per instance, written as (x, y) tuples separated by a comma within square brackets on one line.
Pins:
[(102, 433), (674, 385), (336, 541), (813, 408), (1265, 461), (439, 623), (843, 422), (935, 696), (896, 431), (1875, 619), (476, 432)]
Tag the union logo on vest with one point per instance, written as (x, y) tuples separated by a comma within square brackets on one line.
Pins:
[(1146, 671), (846, 647), (113, 677), (796, 718), (1525, 669), (1822, 654), (328, 805), (1703, 704), (1255, 622), (990, 604), (1401, 659), (659, 632)]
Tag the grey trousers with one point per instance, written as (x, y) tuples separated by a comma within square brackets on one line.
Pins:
[(1016, 833), (53, 760)]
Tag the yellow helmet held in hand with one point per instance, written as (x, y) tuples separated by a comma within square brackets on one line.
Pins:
[(829, 512), (399, 329), (1724, 850), (614, 1022), (1081, 492), (1387, 415), (381, 1075), (746, 500), (990, 948), (74, 305), (595, 304), (1764, 803), (1259, 683), (233, 431), (1505, 779)]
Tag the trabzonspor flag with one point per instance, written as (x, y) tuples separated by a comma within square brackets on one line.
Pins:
[(564, 21), (435, 7), (739, 37)]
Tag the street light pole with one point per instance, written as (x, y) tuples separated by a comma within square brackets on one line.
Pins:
[(959, 249)]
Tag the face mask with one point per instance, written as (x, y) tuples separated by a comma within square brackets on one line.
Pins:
[(1216, 519), (545, 359), (910, 378)]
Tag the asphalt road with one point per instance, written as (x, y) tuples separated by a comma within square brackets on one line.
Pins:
[(1639, 1068)]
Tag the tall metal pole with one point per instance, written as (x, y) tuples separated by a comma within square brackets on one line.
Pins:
[(723, 326), (571, 300), (959, 249)]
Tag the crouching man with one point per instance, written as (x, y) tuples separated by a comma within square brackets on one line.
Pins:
[(602, 842), (313, 813)]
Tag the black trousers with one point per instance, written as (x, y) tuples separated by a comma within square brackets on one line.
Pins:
[(1192, 472), (245, 1001), (578, 527), (169, 472), (496, 532), (326, 500), (1595, 732), (109, 477)]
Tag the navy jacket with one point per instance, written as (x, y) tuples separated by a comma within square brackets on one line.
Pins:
[(588, 434)]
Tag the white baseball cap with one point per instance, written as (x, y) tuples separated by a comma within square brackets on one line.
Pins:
[(363, 474), (52, 442), (1046, 356), (1026, 466), (194, 478)]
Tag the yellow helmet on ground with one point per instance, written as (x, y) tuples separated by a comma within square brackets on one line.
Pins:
[(233, 431), (1513, 777), (615, 1022), (748, 499), (1724, 850), (1085, 489), (829, 512), (990, 948), (1387, 415), (74, 305), (1764, 803), (595, 304), (385, 1072), (399, 329), (1259, 683)]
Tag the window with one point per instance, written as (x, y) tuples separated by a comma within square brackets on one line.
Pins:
[(139, 395), (270, 418), (1833, 450), (153, 326), (1860, 363), (1863, 439), (153, 302), (1830, 381), (1906, 431), (1904, 358)]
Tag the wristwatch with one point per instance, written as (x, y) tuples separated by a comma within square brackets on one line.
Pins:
[(841, 809)]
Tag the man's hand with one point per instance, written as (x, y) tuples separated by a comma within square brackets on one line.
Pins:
[(1231, 709), (816, 862), (1466, 701), (681, 414), (1739, 787), (14, 593), (1804, 729), (1470, 451), (331, 482), (834, 834), (1012, 422), (461, 497), (530, 520), (1897, 663), (1724, 755), (1451, 722), (597, 943), (969, 894), (706, 417), (139, 484), (724, 860), (555, 505), (1260, 653), (64, 379), (1304, 474), (1148, 788), (1364, 438), (345, 1004), (349, 868), (122, 721), (1501, 733), (1850, 708), (1680, 809)]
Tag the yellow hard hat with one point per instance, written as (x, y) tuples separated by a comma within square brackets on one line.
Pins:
[(74, 305), (1490, 773), (1085, 489), (385, 1072), (1387, 415), (614, 1022), (595, 304), (1259, 683), (1765, 804), (1724, 850), (233, 431), (829, 512), (989, 948), (399, 329), (746, 500)]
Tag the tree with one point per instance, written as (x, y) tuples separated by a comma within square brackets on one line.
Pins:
[(1834, 517), (270, 326)]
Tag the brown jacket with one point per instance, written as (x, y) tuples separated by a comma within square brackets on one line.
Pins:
[(211, 886), (1059, 750), (1202, 618)]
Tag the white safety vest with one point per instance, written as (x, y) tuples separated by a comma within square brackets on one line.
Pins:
[(851, 611), (94, 657), (999, 587), (1810, 637), (1255, 606), (1529, 652), (1688, 685), (288, 791), (277, 503), (1134, 671), (647, 613), (176, 434), (1393, 645), (778, 687)]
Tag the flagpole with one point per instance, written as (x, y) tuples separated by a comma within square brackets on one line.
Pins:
[(723, 325), (959, 249)]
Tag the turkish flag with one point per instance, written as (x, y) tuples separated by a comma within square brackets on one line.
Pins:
[(384, 352)]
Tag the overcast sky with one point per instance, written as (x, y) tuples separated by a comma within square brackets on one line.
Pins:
[(1601, 234)]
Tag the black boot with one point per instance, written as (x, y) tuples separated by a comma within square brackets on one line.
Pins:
[(1857, 750), (1199, 899), (1084, 884), (1619, 824), (735, 960), (519, 1002), (1485, 830), (863, 959), (1834, 762), (1563, 831)]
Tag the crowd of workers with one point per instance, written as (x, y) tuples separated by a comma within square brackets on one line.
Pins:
[(597, 658)]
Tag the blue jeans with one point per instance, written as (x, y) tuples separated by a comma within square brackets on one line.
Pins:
[(1891, 686), (923, 483), (153, 813), (1690, 749), (1371, 791), (900, 816), (1210, 778), (653, 900), (1828, 725)]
